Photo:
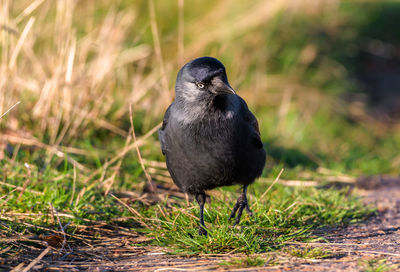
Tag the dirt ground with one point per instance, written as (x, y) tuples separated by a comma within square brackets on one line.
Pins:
[(369, 246)]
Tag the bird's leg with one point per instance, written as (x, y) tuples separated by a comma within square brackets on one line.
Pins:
[(201, 199), (240, 205)]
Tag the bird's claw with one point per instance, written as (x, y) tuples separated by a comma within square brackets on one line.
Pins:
[(240, 205), (202, 230)]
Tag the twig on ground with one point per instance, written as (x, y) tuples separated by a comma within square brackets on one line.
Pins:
[(313, 183), (299, 183), (35, 261), (41, 214), (23, 238), (379, 252), (61, 227), (76, 236), (132, 210), (322, 244), (5, 250), (17, 268)]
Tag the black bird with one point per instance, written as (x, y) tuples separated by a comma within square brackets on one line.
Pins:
[(209, 136)]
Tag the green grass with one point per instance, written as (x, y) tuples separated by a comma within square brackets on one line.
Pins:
[(309, 252), (293, 68), (376, 265), (285, 215), (244, 262), (49, 192)]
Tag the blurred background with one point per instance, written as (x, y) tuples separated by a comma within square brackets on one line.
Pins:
[(323, 78)]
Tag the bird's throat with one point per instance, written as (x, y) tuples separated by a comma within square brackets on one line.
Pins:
[(220, 102)]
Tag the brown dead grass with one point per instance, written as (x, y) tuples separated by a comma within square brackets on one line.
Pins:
[(70, 69)]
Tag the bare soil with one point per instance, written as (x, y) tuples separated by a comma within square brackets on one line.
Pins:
[(373, 245)]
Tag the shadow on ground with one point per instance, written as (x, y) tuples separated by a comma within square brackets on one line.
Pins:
[(290, 157)]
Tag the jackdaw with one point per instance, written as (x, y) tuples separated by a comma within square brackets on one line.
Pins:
[(209, 136)]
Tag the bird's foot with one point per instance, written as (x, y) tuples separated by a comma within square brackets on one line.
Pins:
[(202, 230), (240, 205)]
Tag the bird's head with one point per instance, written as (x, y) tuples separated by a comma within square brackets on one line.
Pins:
[(200, 78)]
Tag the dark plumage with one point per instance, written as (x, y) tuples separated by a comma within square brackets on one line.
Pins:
[(209, 136)]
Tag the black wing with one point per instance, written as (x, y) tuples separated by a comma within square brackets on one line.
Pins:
[(161, 130), (250, 119)]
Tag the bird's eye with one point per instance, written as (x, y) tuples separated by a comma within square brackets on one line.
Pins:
[(200, 85)]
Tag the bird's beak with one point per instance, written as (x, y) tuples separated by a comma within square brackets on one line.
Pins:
[(221, 87)]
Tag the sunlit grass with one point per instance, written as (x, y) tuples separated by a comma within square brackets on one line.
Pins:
[(76, 67), (283, 215)]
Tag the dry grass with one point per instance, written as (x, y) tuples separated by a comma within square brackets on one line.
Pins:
[(76, 67), (68, 84), (71, 70)]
